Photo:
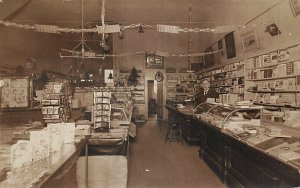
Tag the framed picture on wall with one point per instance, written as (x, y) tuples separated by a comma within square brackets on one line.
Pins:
[(230, 46), (209, 58), (154, 62), (220, 47), (249, 40), (295, 6)]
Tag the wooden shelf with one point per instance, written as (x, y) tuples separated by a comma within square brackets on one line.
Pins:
[(274, 65), (294, 91), (220, 86), (277, 105), (276, 78)]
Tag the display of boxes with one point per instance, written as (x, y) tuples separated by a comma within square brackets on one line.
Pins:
[(102, 109), (57, 102)]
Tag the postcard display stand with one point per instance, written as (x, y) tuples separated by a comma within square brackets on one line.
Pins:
[(56, 103), (101, 110)]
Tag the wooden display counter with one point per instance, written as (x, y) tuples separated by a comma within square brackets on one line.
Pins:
[(239, 163), (49, 171)]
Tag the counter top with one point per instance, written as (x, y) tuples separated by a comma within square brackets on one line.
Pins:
[(39, 173)]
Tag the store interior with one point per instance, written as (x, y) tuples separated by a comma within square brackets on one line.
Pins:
[(149, 93)]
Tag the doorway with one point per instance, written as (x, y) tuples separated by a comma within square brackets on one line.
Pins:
[(152, 100), (155, 100)]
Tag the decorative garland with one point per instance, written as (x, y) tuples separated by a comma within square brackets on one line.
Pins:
[(78, 54), (99, 29)]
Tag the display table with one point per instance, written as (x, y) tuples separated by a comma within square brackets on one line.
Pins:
[(47, 172), (108, 158)]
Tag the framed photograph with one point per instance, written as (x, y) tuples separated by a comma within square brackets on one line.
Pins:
[(209, 58), (249, 40), (230, 45), (295, 6), (154, 62), (220, 46)]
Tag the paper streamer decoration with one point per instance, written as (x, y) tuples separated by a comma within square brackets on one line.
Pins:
[(167, 28), (226, 29), (46, 28), (108, 29)]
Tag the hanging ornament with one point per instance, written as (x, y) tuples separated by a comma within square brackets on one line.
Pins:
[(121, 34), (105, 49), (106, 36), (141, 29)]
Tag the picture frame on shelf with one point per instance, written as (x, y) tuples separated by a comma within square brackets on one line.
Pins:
[(154, 62), (295, 6), (249, 40)]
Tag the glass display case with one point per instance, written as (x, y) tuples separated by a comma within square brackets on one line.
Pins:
[(121, 115), (228, 117), (245, 125)]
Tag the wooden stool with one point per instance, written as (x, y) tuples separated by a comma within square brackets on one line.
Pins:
[(174, 132)]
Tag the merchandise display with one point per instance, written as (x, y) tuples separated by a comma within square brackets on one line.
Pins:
[(82, 81), (181, 87), (228, 81), (56, 103), (15, 92), (101, 110), (33, 160)]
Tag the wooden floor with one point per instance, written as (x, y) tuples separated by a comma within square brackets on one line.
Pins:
[(154, 163)]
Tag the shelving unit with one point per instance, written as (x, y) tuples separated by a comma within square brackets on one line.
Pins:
[(228, 81), (273, 78), (56, 103), (181, 86), (138, 96)]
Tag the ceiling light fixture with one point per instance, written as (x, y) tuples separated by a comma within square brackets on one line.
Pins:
[(83, 53)]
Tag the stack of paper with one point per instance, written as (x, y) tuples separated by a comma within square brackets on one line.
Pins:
[(275, 132), (291, 155), (40, 143), (21, 154)]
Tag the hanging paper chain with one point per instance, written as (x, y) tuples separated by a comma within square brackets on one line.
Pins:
[(160, 28), (164, 54)]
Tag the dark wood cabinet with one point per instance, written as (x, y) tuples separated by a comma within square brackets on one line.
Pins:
[(241, 165), (237, 163)]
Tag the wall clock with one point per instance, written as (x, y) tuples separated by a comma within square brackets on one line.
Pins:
[(159, 76)]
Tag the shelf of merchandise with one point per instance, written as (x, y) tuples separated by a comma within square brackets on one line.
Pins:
[(282, 61), (274, 64), (138, 96), (186, 81), (224, 77), (121, 106), (274, 78), (101, 109), (253, 91), (56, 102)]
